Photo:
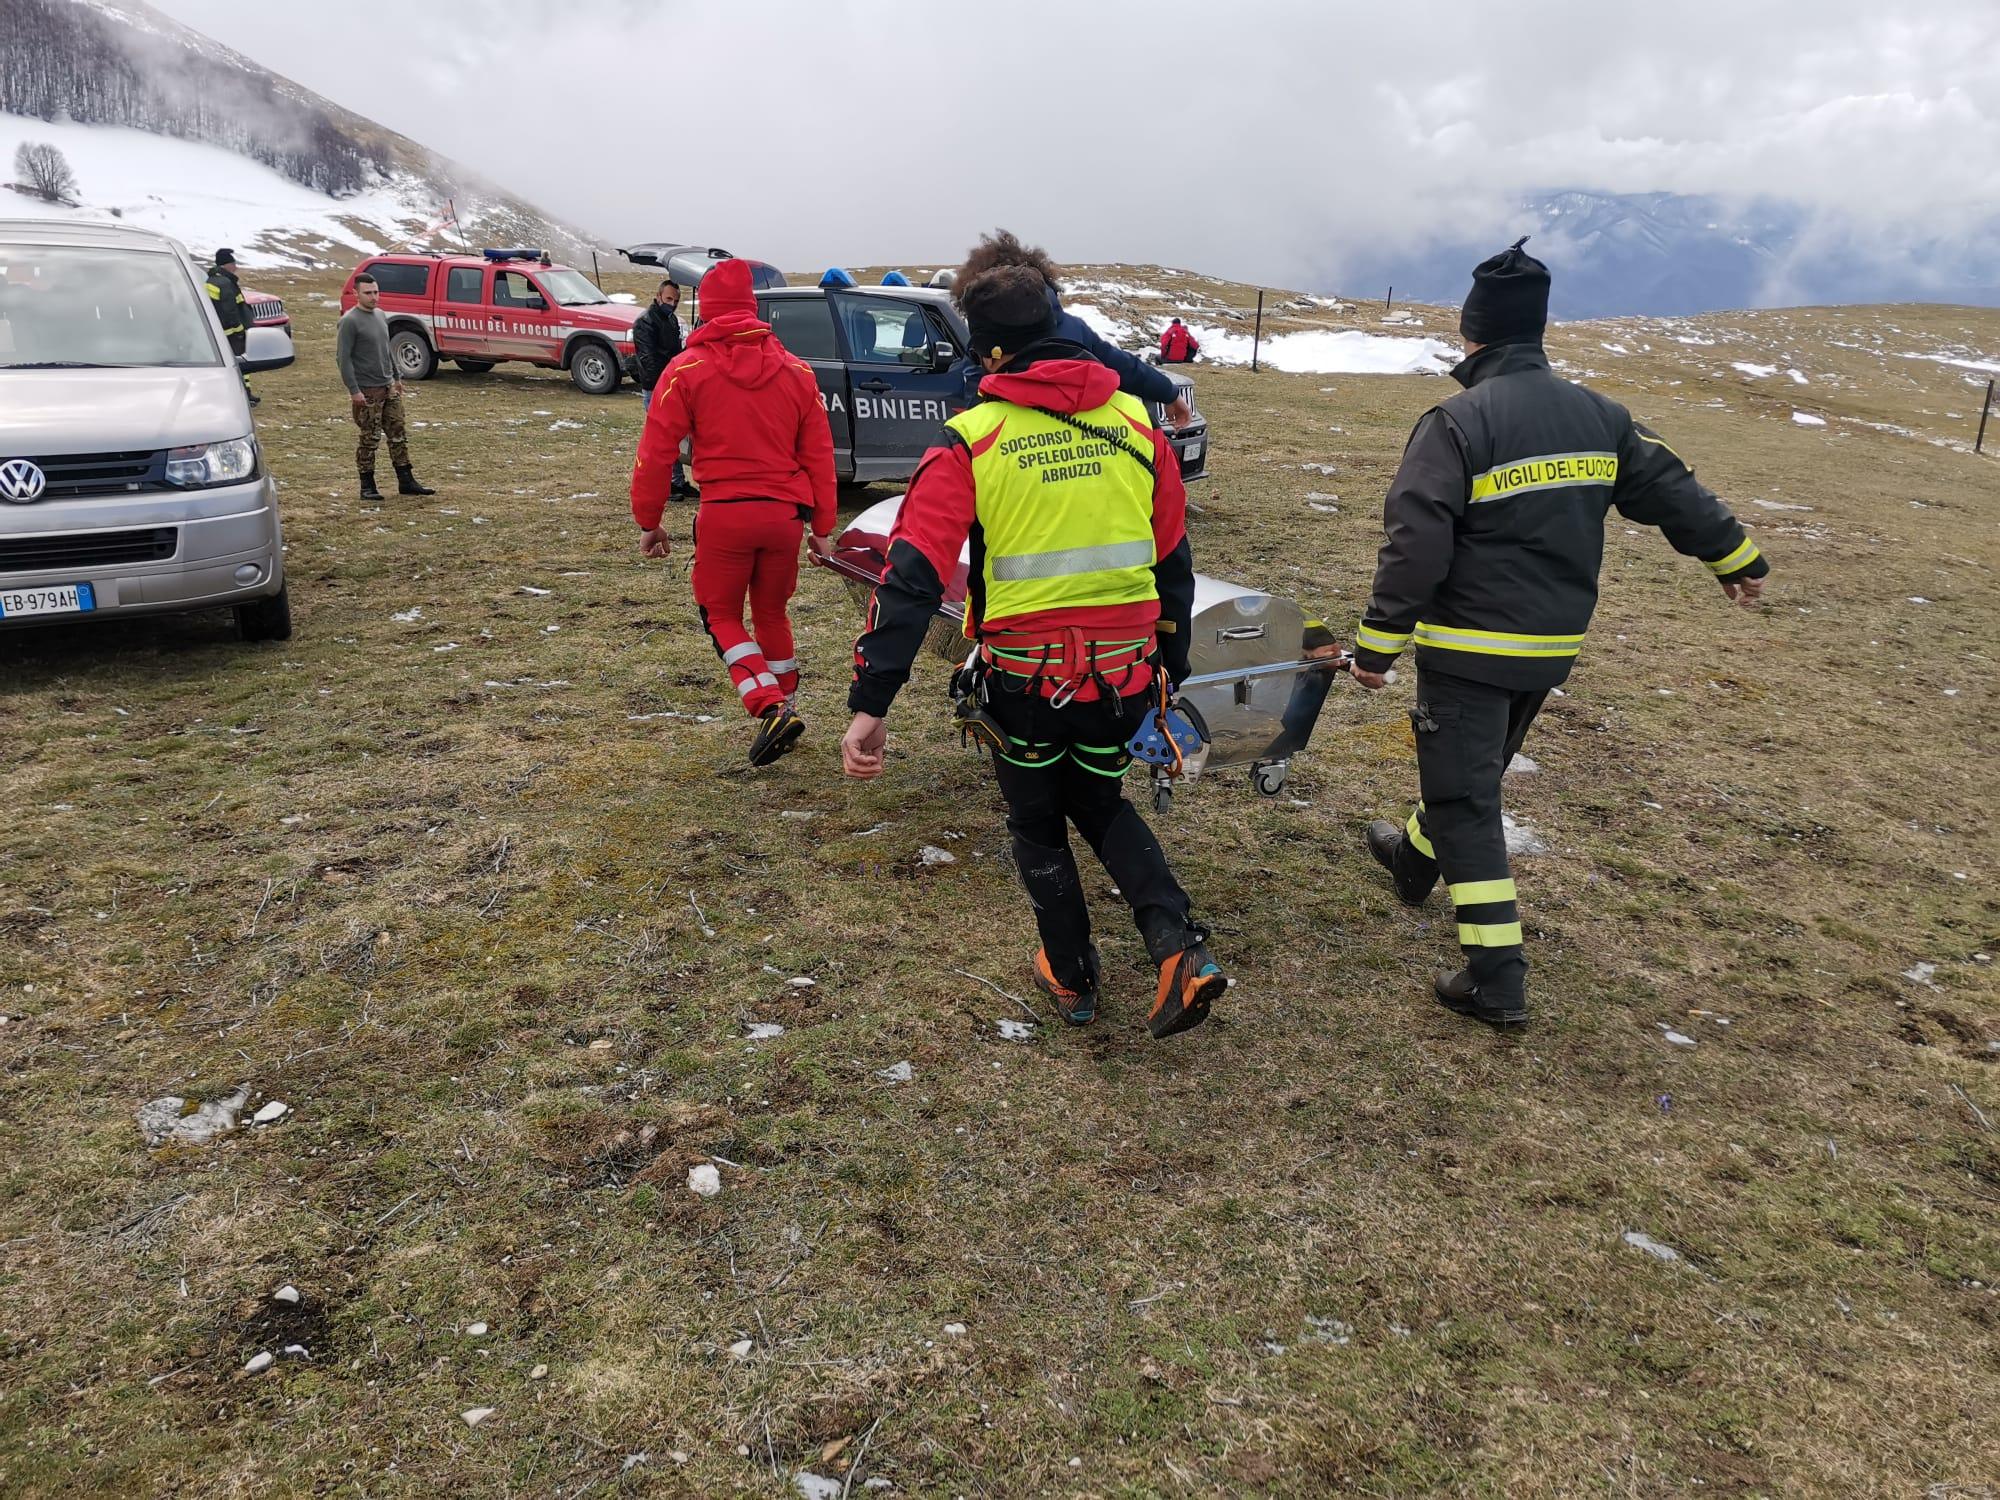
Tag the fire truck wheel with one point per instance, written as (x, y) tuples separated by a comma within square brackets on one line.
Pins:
[(412, 352), (475, 366), (594, 369)]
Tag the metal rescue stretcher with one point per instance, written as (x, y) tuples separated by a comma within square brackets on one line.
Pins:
[(1260, 669)]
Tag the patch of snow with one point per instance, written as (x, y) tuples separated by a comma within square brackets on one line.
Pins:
[(704, 1181), (408, 616), (1014, 1031), (1807, 419), (1777, 505), (900, 1072), (1679, 1039), (1798, 377), (764, 1031), (205, 196), (1522, 841), (1104, 325), (170, 1120), (1922, 973), (817, 1486), (930, 854), (1325, 351), (1755, 372), (276, 1110), (1651, 1246)]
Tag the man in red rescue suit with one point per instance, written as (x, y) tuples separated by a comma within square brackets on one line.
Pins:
[(1178, 344), (1495, 536), (763, 457), (1079, 596)]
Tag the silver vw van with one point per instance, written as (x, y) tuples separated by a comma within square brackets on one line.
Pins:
[(131, 480)]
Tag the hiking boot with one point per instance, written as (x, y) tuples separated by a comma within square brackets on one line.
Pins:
[(1078, 1007), (1189, 983), (1385, 842), (1458, 993), (407, 482), (255, 399), (368, 490), (777, 731)]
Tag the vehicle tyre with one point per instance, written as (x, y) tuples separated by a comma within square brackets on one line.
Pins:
[(476, 366), (412, 355), (594, 368), (266, 619)]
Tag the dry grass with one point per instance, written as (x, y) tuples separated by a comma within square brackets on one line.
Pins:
[(439, 901)]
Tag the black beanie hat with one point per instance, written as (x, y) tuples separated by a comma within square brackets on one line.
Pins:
[(225, 257), (1007, 309), (1509, 298)]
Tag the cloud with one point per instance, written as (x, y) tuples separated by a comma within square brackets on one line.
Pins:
[(1264, 140)]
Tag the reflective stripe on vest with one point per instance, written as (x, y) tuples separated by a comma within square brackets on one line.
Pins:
[(1067, 519), (1551, 471), (1496, 642)]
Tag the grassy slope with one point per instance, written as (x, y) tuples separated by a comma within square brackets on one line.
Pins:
[(438, 901)]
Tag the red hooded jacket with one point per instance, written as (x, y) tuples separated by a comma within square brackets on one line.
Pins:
[(752, 409), (940, 512), (1178, 344)]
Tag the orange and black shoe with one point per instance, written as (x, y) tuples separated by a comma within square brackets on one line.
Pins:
[(777, 732), (1190, 982), (1078, 1006)]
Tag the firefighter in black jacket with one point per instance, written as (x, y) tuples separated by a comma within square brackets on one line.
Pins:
[(226, 292), (1495, 534)]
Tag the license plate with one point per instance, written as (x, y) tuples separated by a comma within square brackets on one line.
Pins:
[(1193, 454), (55, 599)]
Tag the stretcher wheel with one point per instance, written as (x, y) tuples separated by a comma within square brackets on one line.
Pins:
[(1163, 797), (1269, 780)]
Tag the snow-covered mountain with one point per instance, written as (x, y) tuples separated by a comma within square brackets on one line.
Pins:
[(1666, 254), (164, 127)]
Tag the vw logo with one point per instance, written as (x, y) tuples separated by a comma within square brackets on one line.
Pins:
[(21, 481)]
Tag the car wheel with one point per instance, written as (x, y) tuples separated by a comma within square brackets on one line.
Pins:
[(476, 366), (266, 619), (413, 356), (594, 369)]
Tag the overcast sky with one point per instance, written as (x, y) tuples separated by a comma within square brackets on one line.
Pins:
[(1254, 138)]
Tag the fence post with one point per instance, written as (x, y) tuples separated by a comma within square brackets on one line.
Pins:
[(1985, 411), (1389, 301), (596, 275), (1257, 338)]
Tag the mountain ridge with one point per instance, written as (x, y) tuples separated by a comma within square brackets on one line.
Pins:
[(119, 64)]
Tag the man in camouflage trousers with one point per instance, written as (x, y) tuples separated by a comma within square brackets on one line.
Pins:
[(367, 367)]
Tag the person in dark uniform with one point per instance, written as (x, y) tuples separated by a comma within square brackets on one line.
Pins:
[(226, 292), (1495, 536), (656, 340)]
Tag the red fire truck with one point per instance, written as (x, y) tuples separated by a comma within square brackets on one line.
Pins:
[(478, 310)]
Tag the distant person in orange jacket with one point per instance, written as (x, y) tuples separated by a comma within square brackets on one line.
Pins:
[(1178, 344), (763, 458)]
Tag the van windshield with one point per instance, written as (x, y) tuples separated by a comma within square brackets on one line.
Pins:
[(571, 288), (68, 307)]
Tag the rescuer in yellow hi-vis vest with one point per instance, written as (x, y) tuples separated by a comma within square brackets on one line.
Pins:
[(1079, 594), (226, 292)]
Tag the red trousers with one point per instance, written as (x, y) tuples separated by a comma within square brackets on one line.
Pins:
[(749, 550)]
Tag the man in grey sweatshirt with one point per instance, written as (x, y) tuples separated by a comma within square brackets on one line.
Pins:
[(367, 367)]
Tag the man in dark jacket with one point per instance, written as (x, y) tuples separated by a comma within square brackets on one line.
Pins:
[(226, 292), (656, 340), (1079, 595), (1495, 536), (763, 456), (1135, 376)]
